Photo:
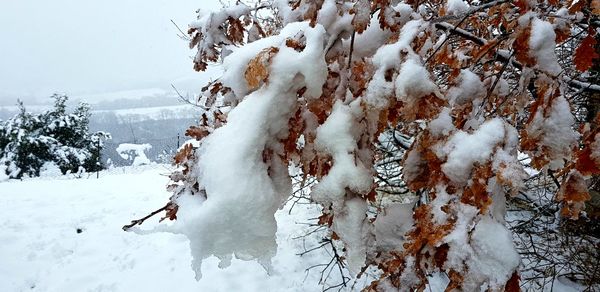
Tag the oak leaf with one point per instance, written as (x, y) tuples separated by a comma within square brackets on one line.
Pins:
[(258, 68), (585, 54)]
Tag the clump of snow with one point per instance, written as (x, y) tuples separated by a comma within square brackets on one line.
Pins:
[(542, 45), (413, 81), (243, 191), (507, 166), (367, 43), (465, 149), (338, 137), (595, 146), (351, 226), (442, 125), (469, 88), (409, 276), (456, 7), (388, 57), (236, 63), (484, 247), (50, 245), (391, 225), (50, 169), (441, 199), (458, 239), (556, 131), (494, 256), (328, 14), (8, 167), (134, 152)]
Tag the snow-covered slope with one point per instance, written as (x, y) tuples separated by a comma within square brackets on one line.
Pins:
[(41, 249)]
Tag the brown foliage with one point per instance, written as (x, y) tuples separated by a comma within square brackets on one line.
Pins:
[(586, 53), (258, 68), (183, 154), (197, 133), (476, 193), (572, 194), (521, 46)]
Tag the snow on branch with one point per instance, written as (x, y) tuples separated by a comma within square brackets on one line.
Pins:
[(322, 89)]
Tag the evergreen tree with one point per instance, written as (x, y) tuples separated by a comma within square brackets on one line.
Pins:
[(28, 141)]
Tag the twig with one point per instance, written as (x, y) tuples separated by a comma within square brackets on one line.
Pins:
[(186, 100), (141, 220), (183, 35)]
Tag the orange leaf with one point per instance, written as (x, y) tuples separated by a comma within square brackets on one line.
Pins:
[(596, 7), (585, 54), (235, 31), (362, 15), (522, 5), (521, 46), (184, 154), (197, 132), (258, 68), (585, 164), (576, 6), (513, 283), (573, 193)]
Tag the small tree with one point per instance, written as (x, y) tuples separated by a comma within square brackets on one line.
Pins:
[(27, 141)]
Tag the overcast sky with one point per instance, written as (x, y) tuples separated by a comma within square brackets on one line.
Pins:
[(82, 47)]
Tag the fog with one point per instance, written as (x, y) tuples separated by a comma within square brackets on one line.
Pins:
[(82, 47)]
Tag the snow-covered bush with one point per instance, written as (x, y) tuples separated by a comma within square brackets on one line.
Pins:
[(135, 153), (28, 141), (426, 101)]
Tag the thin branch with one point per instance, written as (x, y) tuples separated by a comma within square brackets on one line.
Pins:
[(187, 100), (183, 36), (141, 220)]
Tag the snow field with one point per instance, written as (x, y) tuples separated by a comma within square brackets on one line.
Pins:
[(41, 249)]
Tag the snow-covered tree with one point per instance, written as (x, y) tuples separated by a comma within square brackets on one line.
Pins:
[(27, 141), (426, 102)]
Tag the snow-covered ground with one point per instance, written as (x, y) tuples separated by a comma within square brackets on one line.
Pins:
[(64, 234), (152, 113), (58, 233)]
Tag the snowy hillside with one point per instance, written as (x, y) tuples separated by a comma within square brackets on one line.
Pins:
[(62, 234)]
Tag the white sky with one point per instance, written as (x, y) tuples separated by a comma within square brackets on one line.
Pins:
[(82, 47)]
